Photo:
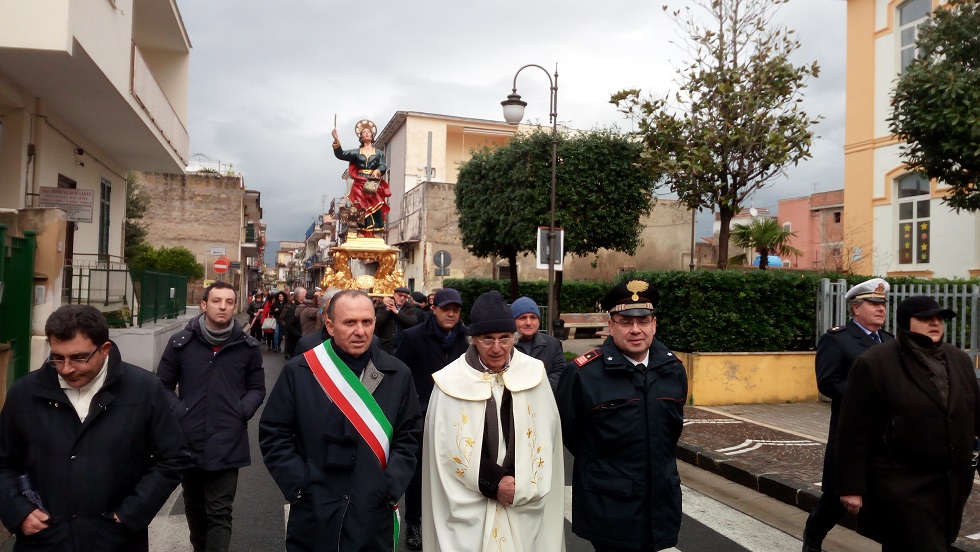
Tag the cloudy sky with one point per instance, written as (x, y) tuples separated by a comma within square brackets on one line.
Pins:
[(267, 78)]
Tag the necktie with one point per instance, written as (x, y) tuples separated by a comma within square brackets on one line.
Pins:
[(875, 337)]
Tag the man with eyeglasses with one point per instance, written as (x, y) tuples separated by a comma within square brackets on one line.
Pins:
[(493, 472), (426, 349), (89, 449), (622, 412)]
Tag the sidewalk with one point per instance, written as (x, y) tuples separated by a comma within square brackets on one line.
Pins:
[(776, 449)]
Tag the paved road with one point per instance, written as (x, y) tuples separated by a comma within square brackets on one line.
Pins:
[(260, 514)]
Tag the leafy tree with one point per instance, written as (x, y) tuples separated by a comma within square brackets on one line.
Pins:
[(736, 123), (137, 203), (504, 195), (936, 108), (764, 236), (175, 260)]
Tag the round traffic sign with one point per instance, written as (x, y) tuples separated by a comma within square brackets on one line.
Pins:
[(221, 264)]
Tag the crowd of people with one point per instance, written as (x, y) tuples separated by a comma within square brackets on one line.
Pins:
[(389, 397)]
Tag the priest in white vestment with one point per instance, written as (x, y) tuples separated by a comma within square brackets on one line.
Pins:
[(492, 466)]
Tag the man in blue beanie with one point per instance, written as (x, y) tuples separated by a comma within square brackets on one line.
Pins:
[(535, 344)]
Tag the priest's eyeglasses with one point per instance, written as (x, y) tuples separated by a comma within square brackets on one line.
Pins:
[(74, 360), (490, 341)]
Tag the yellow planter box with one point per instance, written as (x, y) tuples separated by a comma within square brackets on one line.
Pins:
[(746, 378)]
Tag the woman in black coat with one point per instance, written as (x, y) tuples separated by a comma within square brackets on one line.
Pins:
[(908, 432)]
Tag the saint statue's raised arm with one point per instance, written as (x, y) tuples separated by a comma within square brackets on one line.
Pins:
[(368, 189)]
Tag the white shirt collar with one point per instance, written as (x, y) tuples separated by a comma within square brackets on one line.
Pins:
[(81, 398)]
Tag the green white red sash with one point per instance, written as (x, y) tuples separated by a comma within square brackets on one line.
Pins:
[(349, 394)]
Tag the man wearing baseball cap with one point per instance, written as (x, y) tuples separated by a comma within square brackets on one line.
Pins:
[(394, 315), (622, 412), (908, 432), (836, 352), (426, 349)]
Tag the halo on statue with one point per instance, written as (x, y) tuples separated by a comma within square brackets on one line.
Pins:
[(365, 123)]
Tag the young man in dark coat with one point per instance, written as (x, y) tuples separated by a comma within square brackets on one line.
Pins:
[(908, 434), (426, 349), (622, 412), (836, 352), (213, 374), (342, 484), (535, 344), (396, 314), (93, 437)]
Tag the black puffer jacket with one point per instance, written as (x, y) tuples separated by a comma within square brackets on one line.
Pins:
[(622, 426), (220, 391), (125, 459), (421, 350)]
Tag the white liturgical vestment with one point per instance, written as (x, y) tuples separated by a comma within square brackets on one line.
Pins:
[(456, 516)]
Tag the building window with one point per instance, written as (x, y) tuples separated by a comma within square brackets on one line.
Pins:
[(104, 196), (836, 217), (911, 14), (913, 219)]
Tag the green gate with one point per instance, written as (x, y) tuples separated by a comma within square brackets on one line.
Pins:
[(16, 299)]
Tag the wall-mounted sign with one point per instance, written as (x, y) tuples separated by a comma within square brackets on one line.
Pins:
[(77, 203), (216, 250)]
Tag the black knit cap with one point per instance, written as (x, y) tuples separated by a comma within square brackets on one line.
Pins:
[(491, 315)]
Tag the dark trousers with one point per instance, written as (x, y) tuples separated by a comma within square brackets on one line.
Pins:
[(208, 499), (413, 494), (824, 517)]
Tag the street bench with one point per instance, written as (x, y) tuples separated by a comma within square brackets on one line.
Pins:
[(598, 321)]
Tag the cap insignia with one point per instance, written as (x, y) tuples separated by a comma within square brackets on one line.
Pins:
[(637, 286)]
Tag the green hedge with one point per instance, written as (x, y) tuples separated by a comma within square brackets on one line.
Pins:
[(706, 310)]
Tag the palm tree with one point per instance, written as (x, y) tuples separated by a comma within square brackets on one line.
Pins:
[(763, 236)]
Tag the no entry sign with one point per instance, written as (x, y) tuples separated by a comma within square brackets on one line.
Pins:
[(221, 264)]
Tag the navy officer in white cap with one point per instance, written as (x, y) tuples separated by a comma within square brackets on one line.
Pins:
[(836, 352), (622, 411)]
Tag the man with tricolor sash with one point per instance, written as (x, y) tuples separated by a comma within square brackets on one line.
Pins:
[(339, 435)]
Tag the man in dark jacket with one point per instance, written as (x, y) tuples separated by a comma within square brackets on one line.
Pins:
[(396, 314), (908, 434), (426, 349), (535, 344), (342, 480), (836, 352), (291, 326), (217, 369), (93, 437), (622, 412)]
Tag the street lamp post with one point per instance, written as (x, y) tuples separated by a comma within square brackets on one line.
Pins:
[(513, 113)]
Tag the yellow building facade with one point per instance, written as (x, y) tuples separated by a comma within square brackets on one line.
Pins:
[(895, 223)]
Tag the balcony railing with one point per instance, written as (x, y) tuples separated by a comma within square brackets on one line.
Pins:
[(148, 93)]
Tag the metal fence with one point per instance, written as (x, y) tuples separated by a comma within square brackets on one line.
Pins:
[(962, 331), (132, 297), (103, 284), (16, 299), (161, 295)]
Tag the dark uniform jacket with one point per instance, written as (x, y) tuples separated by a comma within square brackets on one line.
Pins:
[(125, 459), (905, 453), (548, 350), (421, 350), (214, 393), (340, 498), (836, 352), (622, 426), (389, 325)]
